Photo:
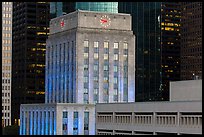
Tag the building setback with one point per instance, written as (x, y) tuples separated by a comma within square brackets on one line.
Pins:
[(89, 59), (30, 31), (6, 62), (191, 40)]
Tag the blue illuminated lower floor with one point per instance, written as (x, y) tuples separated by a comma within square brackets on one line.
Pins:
[(57, 119)]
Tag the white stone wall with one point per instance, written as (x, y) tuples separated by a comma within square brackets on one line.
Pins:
[(47, 119), (186, 90), (182, 117)]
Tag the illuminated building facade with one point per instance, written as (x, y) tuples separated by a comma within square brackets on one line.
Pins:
[(99, 60), (30, 31), (146, 18), (58, 8), (170, 44), (6, 62), (89, 59), (191, 40)]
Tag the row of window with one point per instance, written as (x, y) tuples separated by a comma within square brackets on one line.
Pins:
[(6, 67), (7, 15), (6, 87), (6, 35), (75, 123), (6, 122), (5, 100), (5, 41), (6, 28), (7, 3), (38, 122), (5, 114), (4, 8), (106, 45), (6, 108), (5, 94)]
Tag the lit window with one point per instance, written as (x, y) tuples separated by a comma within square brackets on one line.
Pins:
[(115, 45), (95, 44), (86, 90), (86, 43), (105, 79), (95, 55), (115, 56), (105, 56), (125, 46), (115, 68), (41, 33), (105, 44), (86, 55), (169, 29)]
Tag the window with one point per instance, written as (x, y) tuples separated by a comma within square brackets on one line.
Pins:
[(115, 92), (115, 80), (95, 55), (86, 55), (95, 44), (95, 67), (86, 91), (95, 91), (86, 123), (115, 45), (95, 79), (105, 56), (85, 79), (86, 67), (105, 44), (105, 79), (105, 68), (75, 124), (86, 43), (115, 56), (65, 114), (125, 46)]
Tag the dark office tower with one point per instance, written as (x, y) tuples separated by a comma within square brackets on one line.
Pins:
[(60, 8), (191, 40), (170, 45), (146, 17), (30, 31)]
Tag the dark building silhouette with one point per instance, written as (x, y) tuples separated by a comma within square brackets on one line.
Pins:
[(191, 40), (30, 31), (170, 44), (146, 19)]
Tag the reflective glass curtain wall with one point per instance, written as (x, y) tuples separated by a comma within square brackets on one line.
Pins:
[(146, 18), (58, 8)]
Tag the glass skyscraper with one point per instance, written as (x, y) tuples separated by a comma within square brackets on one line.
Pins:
[(146, 17), (58, 8), (170, 43), (30, 28)]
